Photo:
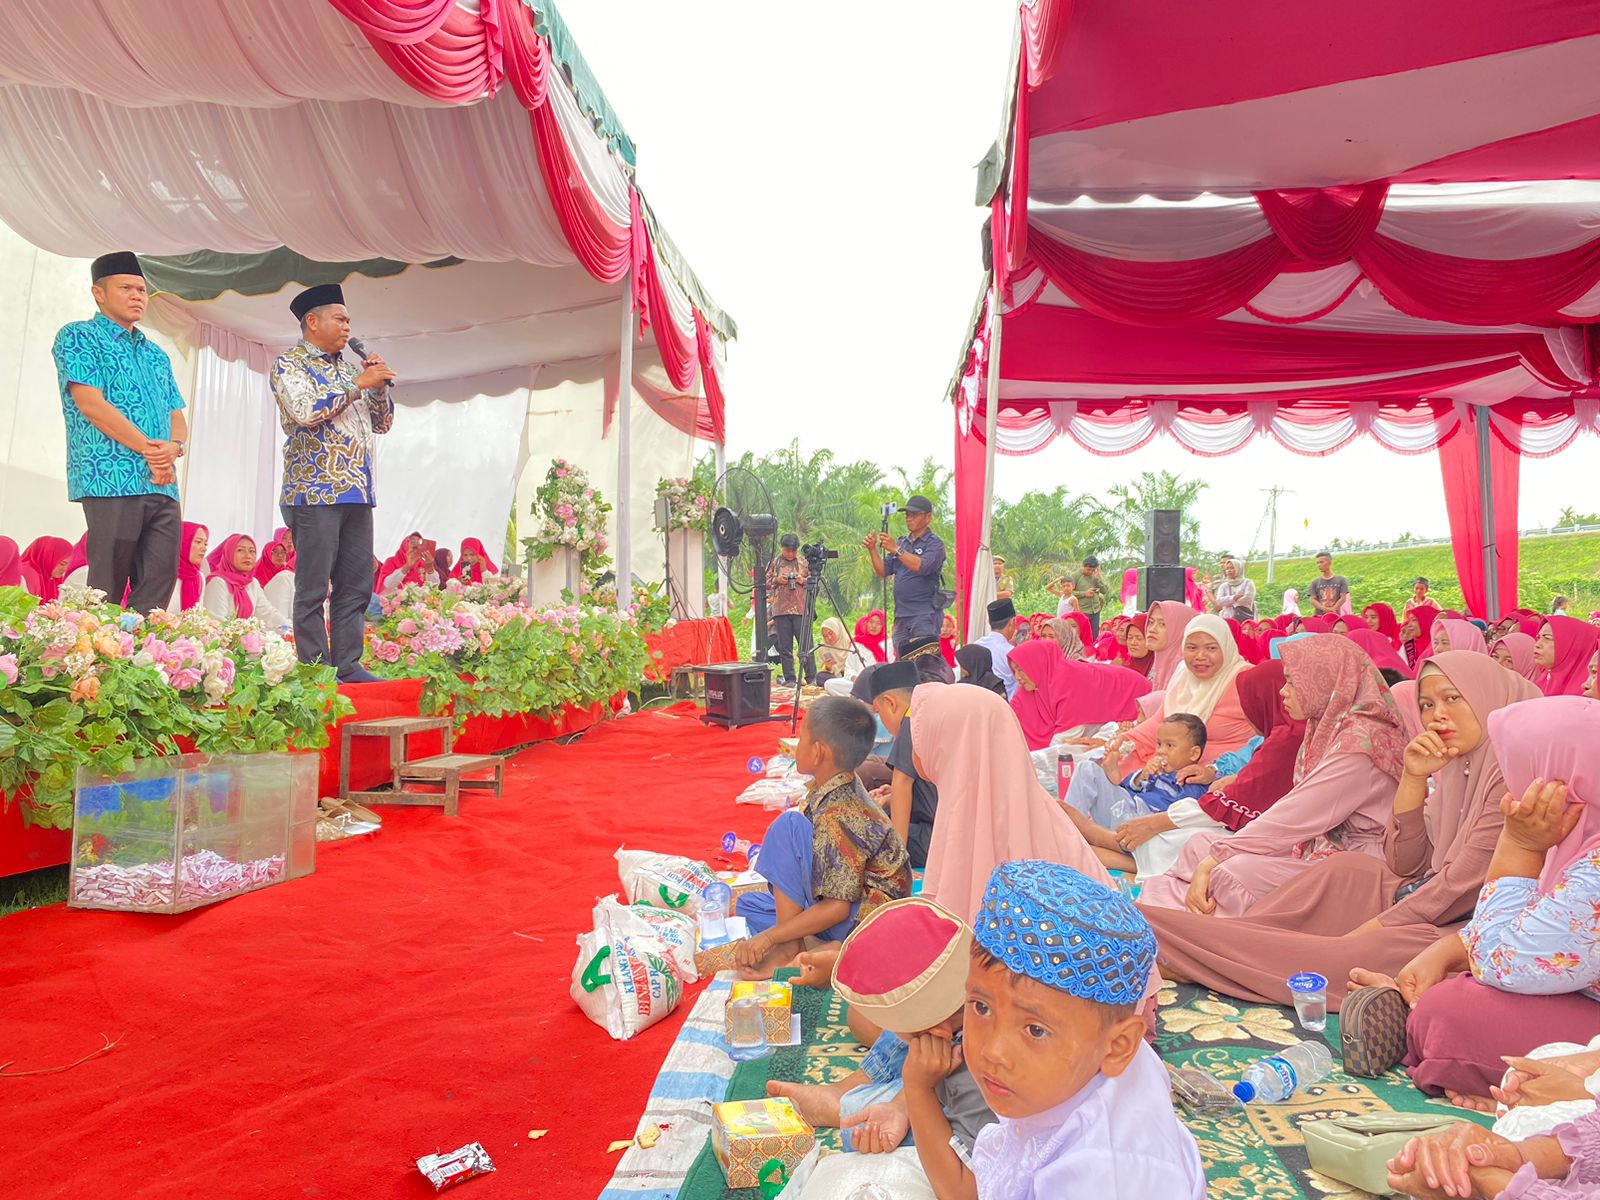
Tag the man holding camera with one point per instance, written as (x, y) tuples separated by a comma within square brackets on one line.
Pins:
[(916, 563), (786, 605)]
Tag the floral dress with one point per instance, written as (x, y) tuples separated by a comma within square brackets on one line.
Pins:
[(1521, 940)]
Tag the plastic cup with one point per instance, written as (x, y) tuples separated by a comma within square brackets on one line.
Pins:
[(747, 1033), (1310, 992), (714, 909)]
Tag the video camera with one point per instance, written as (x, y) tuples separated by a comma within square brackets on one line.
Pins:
[(818, 552)]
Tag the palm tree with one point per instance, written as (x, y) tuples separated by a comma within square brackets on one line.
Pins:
[(1124, 513), (1044, 534)]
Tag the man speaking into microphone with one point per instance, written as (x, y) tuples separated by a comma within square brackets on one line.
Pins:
[(331, 408)]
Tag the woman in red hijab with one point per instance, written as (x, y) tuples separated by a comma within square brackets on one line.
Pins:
[(947, 640), (191, 554), (231, 590), (1249, 648), (1137, 655), (1381, 618), (418, 565), (870, 630), (44, 566), (1417, 634), (10, 563), (1055, 694), (279, 557), (1562, 652), (402, 560), (473, 563)]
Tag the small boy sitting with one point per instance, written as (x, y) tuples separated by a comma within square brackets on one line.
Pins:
[(1098, 806), (904, 970), (1054, 1039), (832, 860)]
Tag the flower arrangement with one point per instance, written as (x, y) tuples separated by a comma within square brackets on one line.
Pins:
[(652, 609), (83, 683), (481, 652), (689, 507), (569, 512)]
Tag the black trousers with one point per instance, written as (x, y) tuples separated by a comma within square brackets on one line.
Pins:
[(790, 632), (1094, 624), (133, 548), (333, 562)]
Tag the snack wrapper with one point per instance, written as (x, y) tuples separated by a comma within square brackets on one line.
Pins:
[(447, 1170)]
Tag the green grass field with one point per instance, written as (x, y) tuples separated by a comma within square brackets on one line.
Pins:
[(1566, 565)]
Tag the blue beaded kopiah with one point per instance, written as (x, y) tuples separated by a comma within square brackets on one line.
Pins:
[(1062, 929)]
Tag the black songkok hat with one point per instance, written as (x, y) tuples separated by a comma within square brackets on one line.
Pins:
[(315, 297), (118, 262), (895, 677), (1001, 611)]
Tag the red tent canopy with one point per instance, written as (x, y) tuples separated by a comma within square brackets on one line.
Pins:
[(1224, 221)]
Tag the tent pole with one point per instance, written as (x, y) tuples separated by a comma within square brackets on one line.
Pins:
[(983, 566), (720, 462), (1491, 551), (624, 503)]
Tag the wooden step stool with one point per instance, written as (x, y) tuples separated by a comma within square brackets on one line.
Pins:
[(445, 769)]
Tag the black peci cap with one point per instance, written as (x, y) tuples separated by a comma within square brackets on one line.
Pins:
[(315, 297), (119, 262), (894, 677)]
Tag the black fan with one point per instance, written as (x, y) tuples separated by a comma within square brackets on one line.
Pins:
[(742, 533)]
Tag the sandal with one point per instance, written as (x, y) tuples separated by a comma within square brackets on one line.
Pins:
[(1372, 1030)]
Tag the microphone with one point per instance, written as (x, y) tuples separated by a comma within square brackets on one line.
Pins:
[(360, 348)]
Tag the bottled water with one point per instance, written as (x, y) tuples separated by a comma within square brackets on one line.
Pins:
[(1273, 1080)]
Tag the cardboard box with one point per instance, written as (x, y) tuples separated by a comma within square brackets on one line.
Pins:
[(718, 958), (777, 1009), (757, 1141)]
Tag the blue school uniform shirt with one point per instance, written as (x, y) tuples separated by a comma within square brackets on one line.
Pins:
[(1161, 792), (1234, 761), (135, 377)]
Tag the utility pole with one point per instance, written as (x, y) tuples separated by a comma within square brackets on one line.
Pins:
[(1272, 529)]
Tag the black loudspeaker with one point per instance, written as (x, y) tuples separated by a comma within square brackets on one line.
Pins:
[(1160, 583), (1163, 537)]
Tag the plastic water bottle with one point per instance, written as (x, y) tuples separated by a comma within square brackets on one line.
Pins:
[(1274, 1079), (714, 909), (732, 843), (755, 766)]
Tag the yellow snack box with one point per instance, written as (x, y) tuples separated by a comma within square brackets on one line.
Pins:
[(758, 1141), (777, 1008)]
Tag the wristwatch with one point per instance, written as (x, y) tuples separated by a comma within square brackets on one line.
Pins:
[(181, 443)]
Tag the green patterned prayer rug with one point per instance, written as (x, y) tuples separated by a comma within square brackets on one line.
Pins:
[(1249, 1154)]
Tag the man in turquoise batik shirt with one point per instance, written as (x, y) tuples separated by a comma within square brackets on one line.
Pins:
[(332, 409), (125, 434)]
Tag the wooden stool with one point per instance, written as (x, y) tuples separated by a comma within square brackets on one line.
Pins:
[(446, 769)]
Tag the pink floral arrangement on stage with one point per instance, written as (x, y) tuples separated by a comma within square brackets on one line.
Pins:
[(569, 513), (84, 683), (689, 506), (481, 652)]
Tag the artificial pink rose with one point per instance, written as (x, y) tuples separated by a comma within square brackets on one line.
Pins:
[(485, 640), (252, 644), (411, 660), (561, 473), (8, 667), (407, 627), (87, 688), (227, 671), (588, 493), (185, 678)]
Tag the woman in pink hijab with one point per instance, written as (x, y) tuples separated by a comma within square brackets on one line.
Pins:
[(1163, 636), (192, 547), (991, 807), (44, 566), (1454, 633), (1526, 968), (232, 590), (1515, 652), (1563, 650), (1055, 694)]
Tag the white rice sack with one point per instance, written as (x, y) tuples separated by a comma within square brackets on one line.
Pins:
[(623, 980), (667, 881), (679, 935)]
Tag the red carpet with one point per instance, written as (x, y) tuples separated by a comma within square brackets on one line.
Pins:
[(314, 1039)]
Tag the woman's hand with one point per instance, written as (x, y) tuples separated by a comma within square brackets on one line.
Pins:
[(1199, 898), (752, 950), (1426, 754), (1202, 773), (1223, 784), (1542, 818), (1540, 1081), (1429, 968), (1135, 833), (1465, 1160)]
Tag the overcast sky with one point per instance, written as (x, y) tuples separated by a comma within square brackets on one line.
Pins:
[(815, 164)]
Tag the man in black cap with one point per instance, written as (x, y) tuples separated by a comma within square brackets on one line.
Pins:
[(1002, 636), (125, 434), (913, 801), (916, 563), (786, 606), (331, 408)]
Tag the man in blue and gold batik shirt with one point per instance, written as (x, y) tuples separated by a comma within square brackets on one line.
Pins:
[(125, 433), (332, 409)]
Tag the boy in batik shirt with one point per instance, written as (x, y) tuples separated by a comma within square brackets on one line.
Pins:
[(834, 859)]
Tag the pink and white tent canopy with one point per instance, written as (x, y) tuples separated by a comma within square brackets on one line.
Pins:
[(343, 129), (1224, 221)]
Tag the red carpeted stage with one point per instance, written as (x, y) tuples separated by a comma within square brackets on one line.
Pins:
[(315, 1038)]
